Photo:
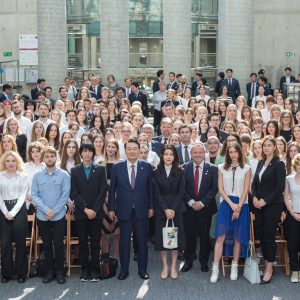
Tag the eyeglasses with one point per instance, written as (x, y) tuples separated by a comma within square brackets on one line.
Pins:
[(212, 143)]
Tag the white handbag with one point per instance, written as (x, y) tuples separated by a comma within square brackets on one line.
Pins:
[(251, 269), (170, 236)]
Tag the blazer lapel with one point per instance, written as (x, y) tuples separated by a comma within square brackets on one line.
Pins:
[(92, 172), (126, 177), (82, 173), (269, 167), (204, 176)]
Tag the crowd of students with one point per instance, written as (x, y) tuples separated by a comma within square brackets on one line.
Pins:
[(210, 157)]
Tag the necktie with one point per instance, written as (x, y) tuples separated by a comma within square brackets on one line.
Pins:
[(127, 93), (186, 154), (252, 93), (132, 176), (94, 89), (196, 181), (230, 81)]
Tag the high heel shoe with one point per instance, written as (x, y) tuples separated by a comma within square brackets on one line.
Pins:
[(262, 281)]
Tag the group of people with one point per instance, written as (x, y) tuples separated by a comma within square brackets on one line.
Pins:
[(207, 161)]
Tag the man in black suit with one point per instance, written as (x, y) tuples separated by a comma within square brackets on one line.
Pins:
[(184, 149), (233, 85), (288, 78), (160, 77), (252, 88), (39, 87), (173, 84), (166, 129), (96, 87), (219, 83), (88, 190), (196, 83), (6, 94), (136, 95), (263, 81), (153, 145), (201, 187)]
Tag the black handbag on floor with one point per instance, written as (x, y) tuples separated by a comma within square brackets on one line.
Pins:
[(107, 266)]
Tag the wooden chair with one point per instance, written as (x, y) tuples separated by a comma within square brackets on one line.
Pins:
[(37, 243), (30, 240), (71, 241), (282, 257)]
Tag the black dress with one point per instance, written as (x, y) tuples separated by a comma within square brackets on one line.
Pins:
[(168, 194)]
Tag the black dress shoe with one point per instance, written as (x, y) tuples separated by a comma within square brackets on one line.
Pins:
[(135, 257), (186, 267), (180, 255), (204, 268), (144, 275), (5, 279), (21, 279), (123, 276), (262, 281), (60, 278), (48, 278)]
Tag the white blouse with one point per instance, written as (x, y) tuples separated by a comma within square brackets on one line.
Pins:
[(294, 188), (234, 187), (168, 170), (31, 169), (11, 188)]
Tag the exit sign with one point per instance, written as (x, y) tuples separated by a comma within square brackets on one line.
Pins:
[(7, 53), (290, 53)]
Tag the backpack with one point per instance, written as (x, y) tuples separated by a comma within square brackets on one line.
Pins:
[(107, 266)]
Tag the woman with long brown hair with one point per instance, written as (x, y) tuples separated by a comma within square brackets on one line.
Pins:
[(52, 135), (37, 131)]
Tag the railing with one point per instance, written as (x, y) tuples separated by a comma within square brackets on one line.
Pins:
[(145, 60), (204, 60)]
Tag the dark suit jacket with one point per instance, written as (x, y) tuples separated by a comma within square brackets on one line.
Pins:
[(33, 93), (194, 87), (98, 91), (156, 146), (174, 102), (179, 152), (272, 182), (222, 136), (208, 187), (283, 80), (122, 198), (248, 88), (218, 86), (2, 97), (155, 86), (88, 193), (174, 86), (143, 99), (168, 191), (21, 141), (234, 89)]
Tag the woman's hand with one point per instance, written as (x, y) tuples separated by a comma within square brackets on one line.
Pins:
[(170, 214), (262, 203), (8, 216), (236, 208)]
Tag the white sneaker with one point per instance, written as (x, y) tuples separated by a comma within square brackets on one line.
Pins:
[(215, 273), (234, 271), (294, 277)]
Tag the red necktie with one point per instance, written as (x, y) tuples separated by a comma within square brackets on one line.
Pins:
[(196, 181)]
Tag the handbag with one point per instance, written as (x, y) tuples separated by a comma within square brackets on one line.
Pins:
[(107, 266), (170, 236), (251, 269)]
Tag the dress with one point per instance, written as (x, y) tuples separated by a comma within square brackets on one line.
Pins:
[(233, 182), (168, 194), (109, 226)]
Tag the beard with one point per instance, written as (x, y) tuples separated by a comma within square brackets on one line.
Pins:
[(50, 165)]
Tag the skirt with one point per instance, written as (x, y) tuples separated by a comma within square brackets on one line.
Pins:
[(238, 230)]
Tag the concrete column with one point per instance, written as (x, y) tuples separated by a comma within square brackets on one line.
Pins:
[(85, 52), (235, 38), (114, 39), (52, 42), (94, 57), (177, 33)]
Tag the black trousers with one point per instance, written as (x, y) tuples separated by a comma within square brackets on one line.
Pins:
[(53, 233), (89, 228), (266, 220), (197, 225), (157, 120), (14, 231), (293, 238)]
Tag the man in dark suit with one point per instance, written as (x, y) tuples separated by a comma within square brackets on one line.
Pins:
[(263, 81), (166, 129), (88, 190), (136, 95), (96, 87), (153, 145), (233, 85), (218, 86), (6, 94), (131, 199), (184, 149), (201, 187), (196, 83), (173, 84), (39, 87), (288, 78), (160, 77), (252, 88)]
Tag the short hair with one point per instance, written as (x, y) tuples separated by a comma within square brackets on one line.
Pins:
[(261, 72), (221, 75), (214, 114), (172, 73), (16, 156), (62, 88), (229, 70), (253, 74), (40, 80), (89, 147), (132, 140), (185, 126), (112, 76), (39, 93), (49, 149), (159, 73), (48, 88), (288, 69), (37, 145), (6, 86), (148, 126), (178, 75), (135, 83), (70, 111), (198, 74)]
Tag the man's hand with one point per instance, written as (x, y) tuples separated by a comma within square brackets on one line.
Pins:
[(112, 215), (170, 214), (8, 216), (50, 213), (197, 206), (150, 213), (91, 214), (71, 206)]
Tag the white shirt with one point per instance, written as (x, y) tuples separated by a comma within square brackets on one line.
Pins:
[(265, 115), (192, 201), (129, 169), (235, 188), (153, 159), (31, 169), (24, 124), (294, 188), (257, 98), (122, 150), (183, 103), (168, 170), (15, 187), (262, 170), (206, 98)]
